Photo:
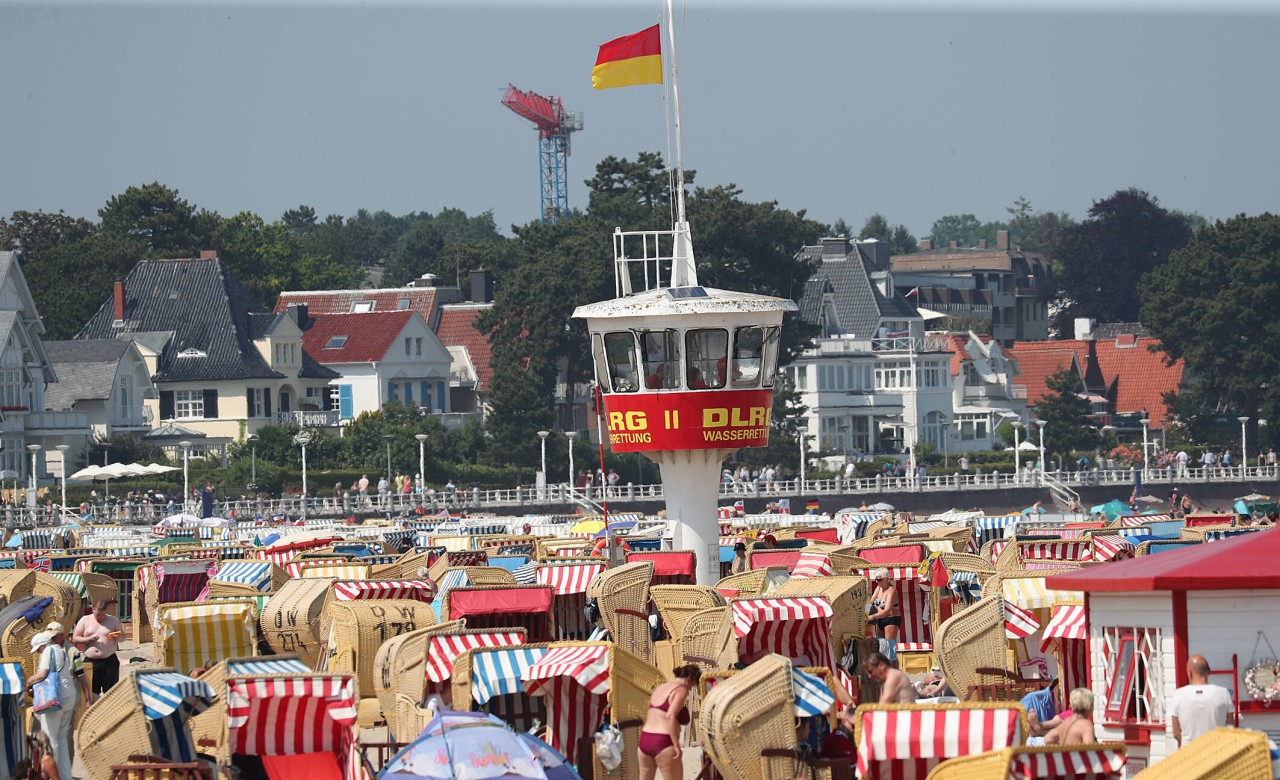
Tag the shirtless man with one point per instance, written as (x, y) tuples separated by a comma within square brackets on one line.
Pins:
[(895, 686), (1078, 729)]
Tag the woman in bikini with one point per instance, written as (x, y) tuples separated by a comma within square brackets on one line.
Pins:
[(660, 737), (885, 615)]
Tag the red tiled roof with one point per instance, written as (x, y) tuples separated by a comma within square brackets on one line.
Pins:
[(369, 336), (1141, 376), (1039, 360), (457, 329), (319, 302)]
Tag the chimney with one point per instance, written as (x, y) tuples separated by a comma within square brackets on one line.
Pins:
[(298, 313), (208, 254), (1002, 240), (982, 243), (118, 297), (926, 244), (1084, 328), (835, 247), (482, 286)]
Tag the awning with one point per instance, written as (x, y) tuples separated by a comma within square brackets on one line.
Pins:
[(249, 666), (75, 580), (1072, 551), (499, 672), (1080, 762), (1107, 547), (255, 574), (294, 568), (1032, 593), (1069, 621), (366, 590), (812, 565), (813, 697), (819, 535), (748, 613), (896, 573), (316, 712), (498, 601), (763, 559), (912, 553), (679, 563), (1018, 622), (164, 692), (443, 650), (588, 666), (189, 636), (568, 579), (339, 571), (12, 680)]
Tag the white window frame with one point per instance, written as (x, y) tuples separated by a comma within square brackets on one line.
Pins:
[(1137, 678), (188, 404)]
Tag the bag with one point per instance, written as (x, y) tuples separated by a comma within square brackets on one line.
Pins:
[(609, 744), (592, 612), (44, 694)]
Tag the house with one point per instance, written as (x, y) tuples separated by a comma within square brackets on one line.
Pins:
[(985, 388), (471, 353), (25, 371), (106, 379), (874, 382), (1004, 284), (222, 367), (1146, 616), (380, 357)]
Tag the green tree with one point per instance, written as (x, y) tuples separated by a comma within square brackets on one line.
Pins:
[(1036, 231), (95, 263), (899, 239), (1213, 305), (965, 229), (155, 215), (962, 322), (1066, 415), (35, 232), (1103, 258)]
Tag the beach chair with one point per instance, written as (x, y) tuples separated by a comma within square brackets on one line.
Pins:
[(670, 567), (356, 629), (529, 607), (1104, 761), (146, 712), (489, 575), (1221, 754), (165, 582), (321, 743), (747, 714), (490, 679), (190, 634), (676, 604), (623, 596), (291, 619), (754, 583), (246, 578), (208, 728), (455, 559), (847, 597), (795, 627), (915, 639), (971, 640), (570, 582), (1067, 636), (17, 583), (906, 741)]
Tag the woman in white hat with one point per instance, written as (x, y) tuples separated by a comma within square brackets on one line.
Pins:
[(56, 722)]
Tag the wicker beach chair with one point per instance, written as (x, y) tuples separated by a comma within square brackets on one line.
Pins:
[(529, 607), (1221, 754), (165, 582), (623, 596), (208, 728), (398, 669), (1103, 761), (291, 620), (708, 640), (970, 640), (845, 559), (570, 578), (489, 575), (754, 583), (453, 559), (246, 578), (147, 711), (909, 740), (489, 679), (190, 634), (358, 628), (747, 714), (848, 599), (677, 603)]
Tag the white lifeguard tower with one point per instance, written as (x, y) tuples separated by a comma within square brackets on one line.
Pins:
[(686, 374)]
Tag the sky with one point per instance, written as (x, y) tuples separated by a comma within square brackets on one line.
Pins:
[(913, 109)]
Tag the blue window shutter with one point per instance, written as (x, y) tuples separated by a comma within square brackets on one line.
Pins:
[(408, 393), (345, 405), (391, 391), (440, 397), (424, 393)]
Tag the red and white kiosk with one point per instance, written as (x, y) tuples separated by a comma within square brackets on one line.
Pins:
[(686, 374)]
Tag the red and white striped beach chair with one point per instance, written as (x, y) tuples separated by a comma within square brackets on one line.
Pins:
[(905, 741), (569, 581), (297, 724), (798, 628), (1105, 761), (512, 606)]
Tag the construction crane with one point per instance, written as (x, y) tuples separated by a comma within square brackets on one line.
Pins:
[(554, 125)]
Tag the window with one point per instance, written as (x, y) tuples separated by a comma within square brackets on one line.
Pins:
[(661, 359), (616, 361), (188, 404), (802, 377), (749, 347), (391, 391), (360, 307), (124, 398), (408, 393), (408, 342), (1134, 676), (253, 399), (402, 304), (929, 374), (417, 346), (707, 352), (11, 388), (336, 342)]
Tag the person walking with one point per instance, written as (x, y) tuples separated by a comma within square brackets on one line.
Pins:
[(1197, 707), (98, 635), (56, 721), (659, 743)]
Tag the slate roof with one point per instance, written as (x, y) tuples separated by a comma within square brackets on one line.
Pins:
[(859, 305), (86, 371), (369, 336), (457, 329), (207, 309)]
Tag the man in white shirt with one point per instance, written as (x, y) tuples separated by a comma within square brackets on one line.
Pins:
[(1182, 463), (1198, 707)]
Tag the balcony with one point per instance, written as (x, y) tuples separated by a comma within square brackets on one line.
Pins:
[(853, 346), (309, 419), (453, 421), (55, 423)]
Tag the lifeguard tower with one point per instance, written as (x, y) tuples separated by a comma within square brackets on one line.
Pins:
[(686, 374)]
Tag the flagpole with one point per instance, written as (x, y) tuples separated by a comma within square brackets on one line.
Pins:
[(683, 270)]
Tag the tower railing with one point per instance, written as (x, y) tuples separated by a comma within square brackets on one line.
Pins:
[(642, 260)]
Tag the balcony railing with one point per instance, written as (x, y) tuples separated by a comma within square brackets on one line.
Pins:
[(309, 419), (56, 422)]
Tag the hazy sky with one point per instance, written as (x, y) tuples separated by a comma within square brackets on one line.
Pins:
[(915, 110)]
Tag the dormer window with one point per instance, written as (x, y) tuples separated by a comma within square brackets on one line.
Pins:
[(402, 304), (360, 307), (192, 352), (336, 342)]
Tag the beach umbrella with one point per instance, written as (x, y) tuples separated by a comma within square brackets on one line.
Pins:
[(1027, 446), (623, 527), (474, 746), (88, 472), (1112, 509), (158, 468), (178, 521), (1150, 499), (881, 507), (1254, 497), (588, 527)]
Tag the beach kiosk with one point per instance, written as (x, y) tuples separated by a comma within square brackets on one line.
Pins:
[(686, 374), (1146, 616)]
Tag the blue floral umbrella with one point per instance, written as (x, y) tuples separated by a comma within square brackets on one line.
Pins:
[(475, 746)]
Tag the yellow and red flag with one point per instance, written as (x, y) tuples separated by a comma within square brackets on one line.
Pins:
[(629, 60)]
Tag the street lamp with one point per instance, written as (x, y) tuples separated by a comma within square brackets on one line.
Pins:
[(62, 448), (1017, 451), (1145, 424), (1043, 464), (387, 438), (542, 488), (422, 457), (303, 438), (801, 424), (570, 436), (186, 483), (31, 497), (253, 463), (1244, 453)]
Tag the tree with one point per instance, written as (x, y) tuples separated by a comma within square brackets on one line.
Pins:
[(963, 322), (154, 214), (34, 232), (1213, 305), (1036, 231), (965, 229), (1104, 257), (1066, 414), (95, 263), (899, 239)]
